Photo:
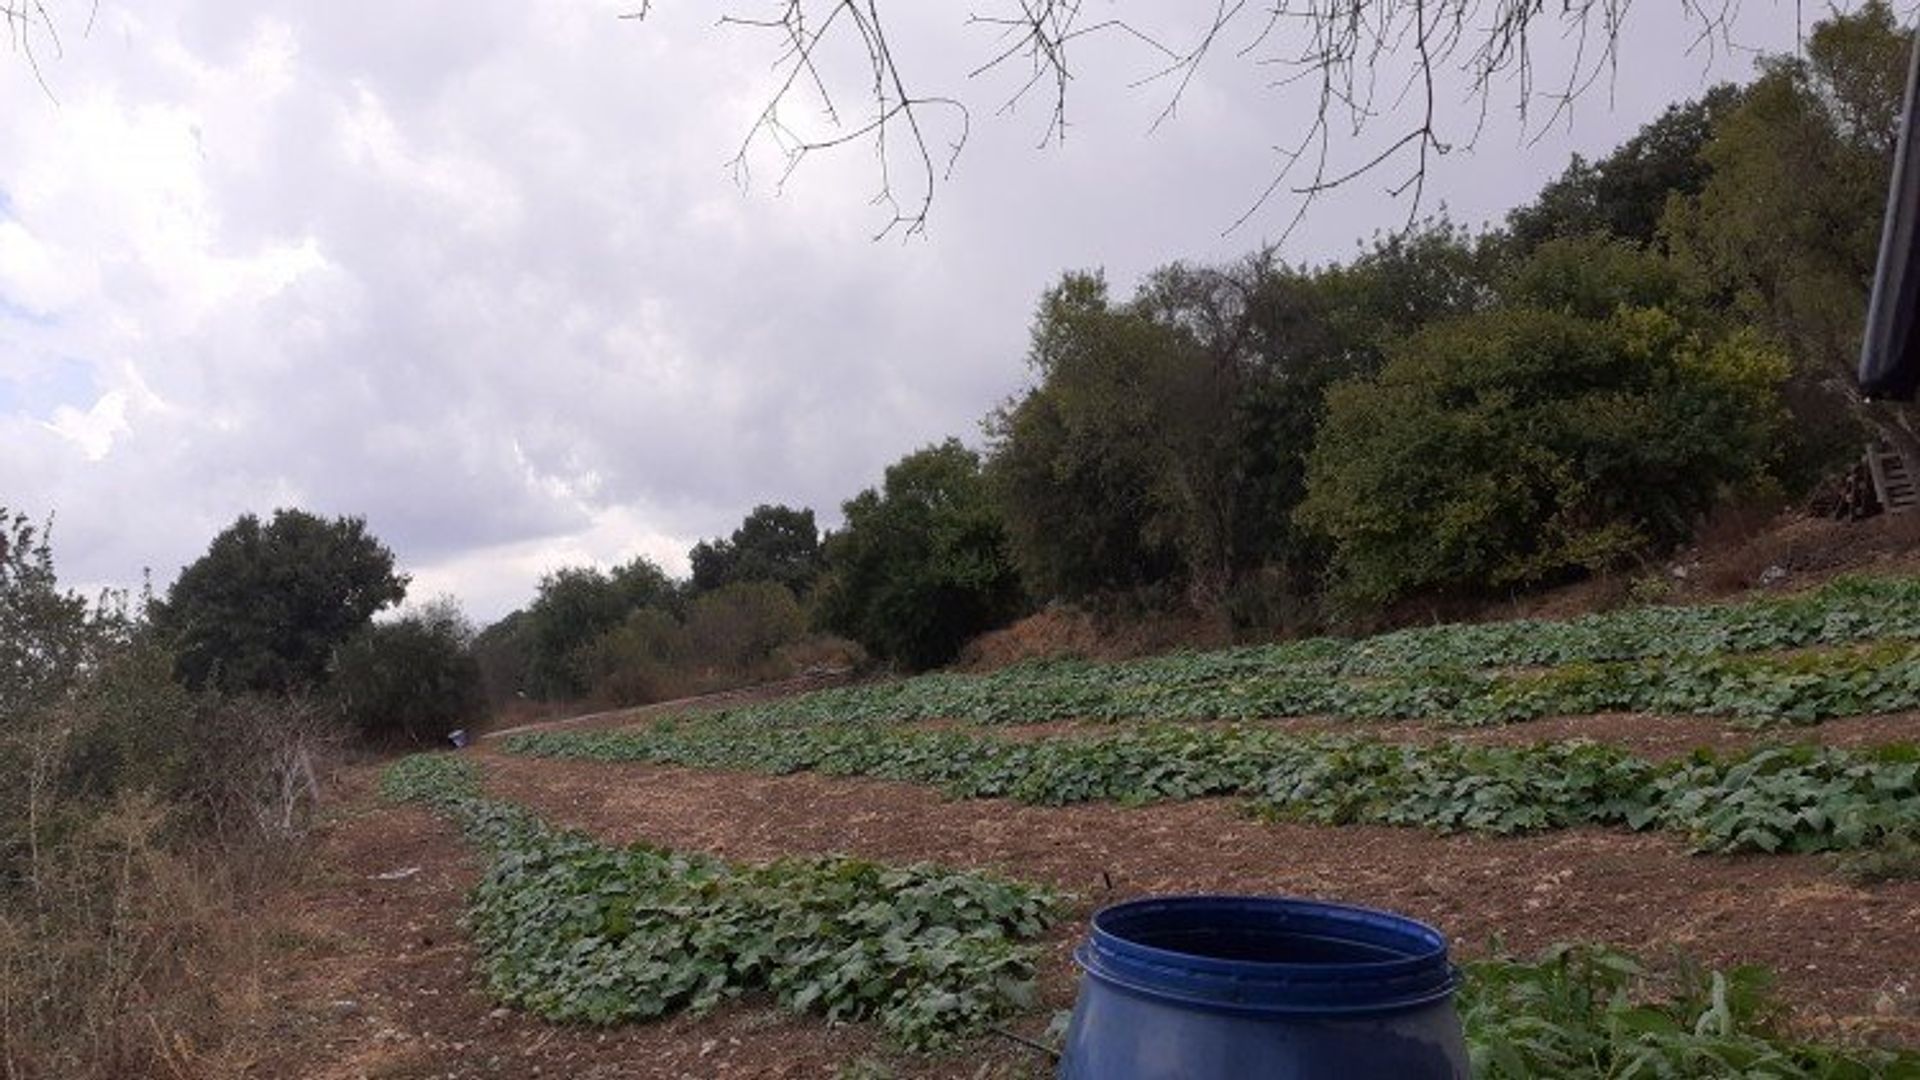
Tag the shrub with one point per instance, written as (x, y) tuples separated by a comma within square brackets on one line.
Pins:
[(140, 822), (638, 662), (411, 680), (1522, 447), (922, 563), (738, 628)]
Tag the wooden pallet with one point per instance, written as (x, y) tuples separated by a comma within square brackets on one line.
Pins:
[(1892, 480)]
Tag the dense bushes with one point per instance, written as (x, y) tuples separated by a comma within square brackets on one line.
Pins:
[(139, 821), (1516, 448), (410, 680), (922, 563)]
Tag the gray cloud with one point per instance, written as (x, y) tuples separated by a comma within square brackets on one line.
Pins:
[(479, 273)]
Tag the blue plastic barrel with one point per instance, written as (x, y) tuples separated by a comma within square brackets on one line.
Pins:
[(1218, 987)]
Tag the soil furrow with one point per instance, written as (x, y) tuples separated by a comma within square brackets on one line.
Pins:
[(1845, 954)]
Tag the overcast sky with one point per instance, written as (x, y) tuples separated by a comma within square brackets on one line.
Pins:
[(479, 272)]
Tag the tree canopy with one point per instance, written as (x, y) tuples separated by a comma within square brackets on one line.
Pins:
[(576, 605), (267, 604), (773, 543), (921, 564), (1520, 447)]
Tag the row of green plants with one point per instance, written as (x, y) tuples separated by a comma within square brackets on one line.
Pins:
[(575, 930), (1760, 689), (1780, 798), (578, 931), (1849, 609)]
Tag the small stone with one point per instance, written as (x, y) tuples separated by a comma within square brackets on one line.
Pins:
[(345, 1007)]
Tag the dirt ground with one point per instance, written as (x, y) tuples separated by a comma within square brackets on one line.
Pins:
[(1651, 736), (377, 980), (1846, 955), (378, 984)]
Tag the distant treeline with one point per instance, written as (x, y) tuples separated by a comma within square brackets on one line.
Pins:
[(1446, 416)]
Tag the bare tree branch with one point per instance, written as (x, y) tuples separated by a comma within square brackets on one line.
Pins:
[(1336, 52)]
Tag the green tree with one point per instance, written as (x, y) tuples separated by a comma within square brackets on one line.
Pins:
[(574, 606), (1078, 462), (1624, 194), (1785, 229), (47, 634), (774, 543), (503, 650), (1164, 441), (410, 680), (266, 606), (1400, 283), (921, 564), (1592, 276), (1521, 447)]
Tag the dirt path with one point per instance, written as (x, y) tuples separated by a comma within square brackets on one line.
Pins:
[(380, 986), (1653, 736), (1846, 956)]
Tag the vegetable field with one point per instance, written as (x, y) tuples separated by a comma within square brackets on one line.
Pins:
[(911, 861)]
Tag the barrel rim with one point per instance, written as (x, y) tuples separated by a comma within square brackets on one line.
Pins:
[(1422, 975)]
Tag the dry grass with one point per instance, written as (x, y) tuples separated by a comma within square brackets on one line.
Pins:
[(136, 877), (122, 954)]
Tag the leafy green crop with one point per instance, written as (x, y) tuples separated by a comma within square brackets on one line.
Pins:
[(1672, 660), (1845, 610), (1583, 1011), (1773, 799), (575, 930)]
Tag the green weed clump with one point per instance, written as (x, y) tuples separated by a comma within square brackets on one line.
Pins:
[(1800, 799), (1586, 1012), (575, 930)]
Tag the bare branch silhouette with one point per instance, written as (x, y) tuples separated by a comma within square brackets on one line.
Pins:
[(1335, 52)]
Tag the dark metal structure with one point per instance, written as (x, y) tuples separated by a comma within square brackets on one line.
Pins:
[(1890, 351)]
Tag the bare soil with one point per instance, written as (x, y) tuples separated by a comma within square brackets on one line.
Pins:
[(380, 985), (1846, 955), (1653, 736)]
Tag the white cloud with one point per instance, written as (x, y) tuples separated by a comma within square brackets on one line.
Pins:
[(94, 430), (479, 274)]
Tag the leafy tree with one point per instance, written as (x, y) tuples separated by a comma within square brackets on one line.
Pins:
[(266, 606), (410, 680), (1592, 276), (47, 634), (1401, 283), (1077, 463), (773, 543), (1785, 229), (739, 627), (1164, 442), (1521, 447), (1624, 194), (922, 563), (576, 605), (503, 651)]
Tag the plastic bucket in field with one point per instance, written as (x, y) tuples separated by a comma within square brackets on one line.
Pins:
[(1217, 987)]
